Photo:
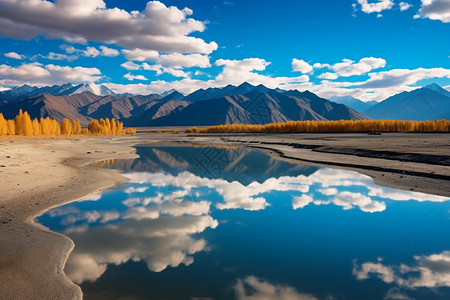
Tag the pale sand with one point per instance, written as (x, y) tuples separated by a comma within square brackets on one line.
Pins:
[(39, 174), (44, 173)]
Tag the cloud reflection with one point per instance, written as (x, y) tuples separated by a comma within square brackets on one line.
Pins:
[(161, 243), (428, 271), (253, 288)]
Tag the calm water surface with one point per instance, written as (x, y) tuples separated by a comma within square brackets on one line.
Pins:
[(208, 223)]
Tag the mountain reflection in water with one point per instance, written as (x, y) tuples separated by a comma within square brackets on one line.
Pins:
[(209, 223)]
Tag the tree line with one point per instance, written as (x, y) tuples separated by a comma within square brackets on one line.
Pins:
[(23, 125), (332, 127)]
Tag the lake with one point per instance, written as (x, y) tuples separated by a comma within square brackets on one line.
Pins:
[(231, 223)]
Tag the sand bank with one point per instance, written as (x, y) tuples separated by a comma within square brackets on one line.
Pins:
[(37, 174)]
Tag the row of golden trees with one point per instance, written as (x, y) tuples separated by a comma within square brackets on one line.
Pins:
[(23, 125), (333, 126)]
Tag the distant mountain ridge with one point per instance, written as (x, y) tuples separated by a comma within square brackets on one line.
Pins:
[(246, 104), (25, 91), (354, 103), (428, 103)]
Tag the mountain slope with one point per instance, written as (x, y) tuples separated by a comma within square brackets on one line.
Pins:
[(427, 103), (354, 103), (253, 105), (55, 107)]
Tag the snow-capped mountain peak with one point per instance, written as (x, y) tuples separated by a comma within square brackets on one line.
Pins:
[(99, 90)]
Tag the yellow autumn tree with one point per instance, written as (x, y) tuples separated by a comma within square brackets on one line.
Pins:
[(334, 126), (3, 125), (23, 123), (24, 126), (66, 127), (76, 127), (11, 125)]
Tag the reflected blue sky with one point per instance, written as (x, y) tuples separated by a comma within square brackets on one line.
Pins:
[(237, 224)]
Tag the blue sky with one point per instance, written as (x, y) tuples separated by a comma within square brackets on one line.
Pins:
[(367, 49)]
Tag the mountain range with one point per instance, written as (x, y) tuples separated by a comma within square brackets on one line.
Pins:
[(428, 103), (244, 104)]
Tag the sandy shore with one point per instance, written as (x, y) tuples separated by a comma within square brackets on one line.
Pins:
[(38, 174)]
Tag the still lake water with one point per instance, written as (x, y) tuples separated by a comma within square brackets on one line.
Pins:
[(208, 223)]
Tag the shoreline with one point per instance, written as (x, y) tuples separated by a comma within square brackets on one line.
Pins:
[(32, 258), (42, 173)]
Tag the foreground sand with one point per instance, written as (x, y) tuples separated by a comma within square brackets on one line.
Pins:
[(38, 174)]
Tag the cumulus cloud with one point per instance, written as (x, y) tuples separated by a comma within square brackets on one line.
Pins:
[(132, 77), (299, 65), (157, 27), (435, 10), (160, 243), (38, 74), (375, 7), (110, 52), (428, 271), (253, 288), (129, 65), (404, 6), (349, 68), (403, 77), (177, 60), (141, 55), (14, 55), (329, 75), (301, 201)]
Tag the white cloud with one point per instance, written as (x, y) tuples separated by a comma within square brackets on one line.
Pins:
[(38, 74), (60, 56), (253, 288), (428, 271), (141, 55), (376, 6), (69, 49), (403, 77), (157, 27), (110, 52), (132, 77), (348, 200), (14, 55), (88, 52), (160, 243), (435, 10), (177, 60), (129, 65), (404, 6), (161, 70), (91, 52), (301, 202), (349, 68), (329, 75), (320, 66), (299, 65)]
